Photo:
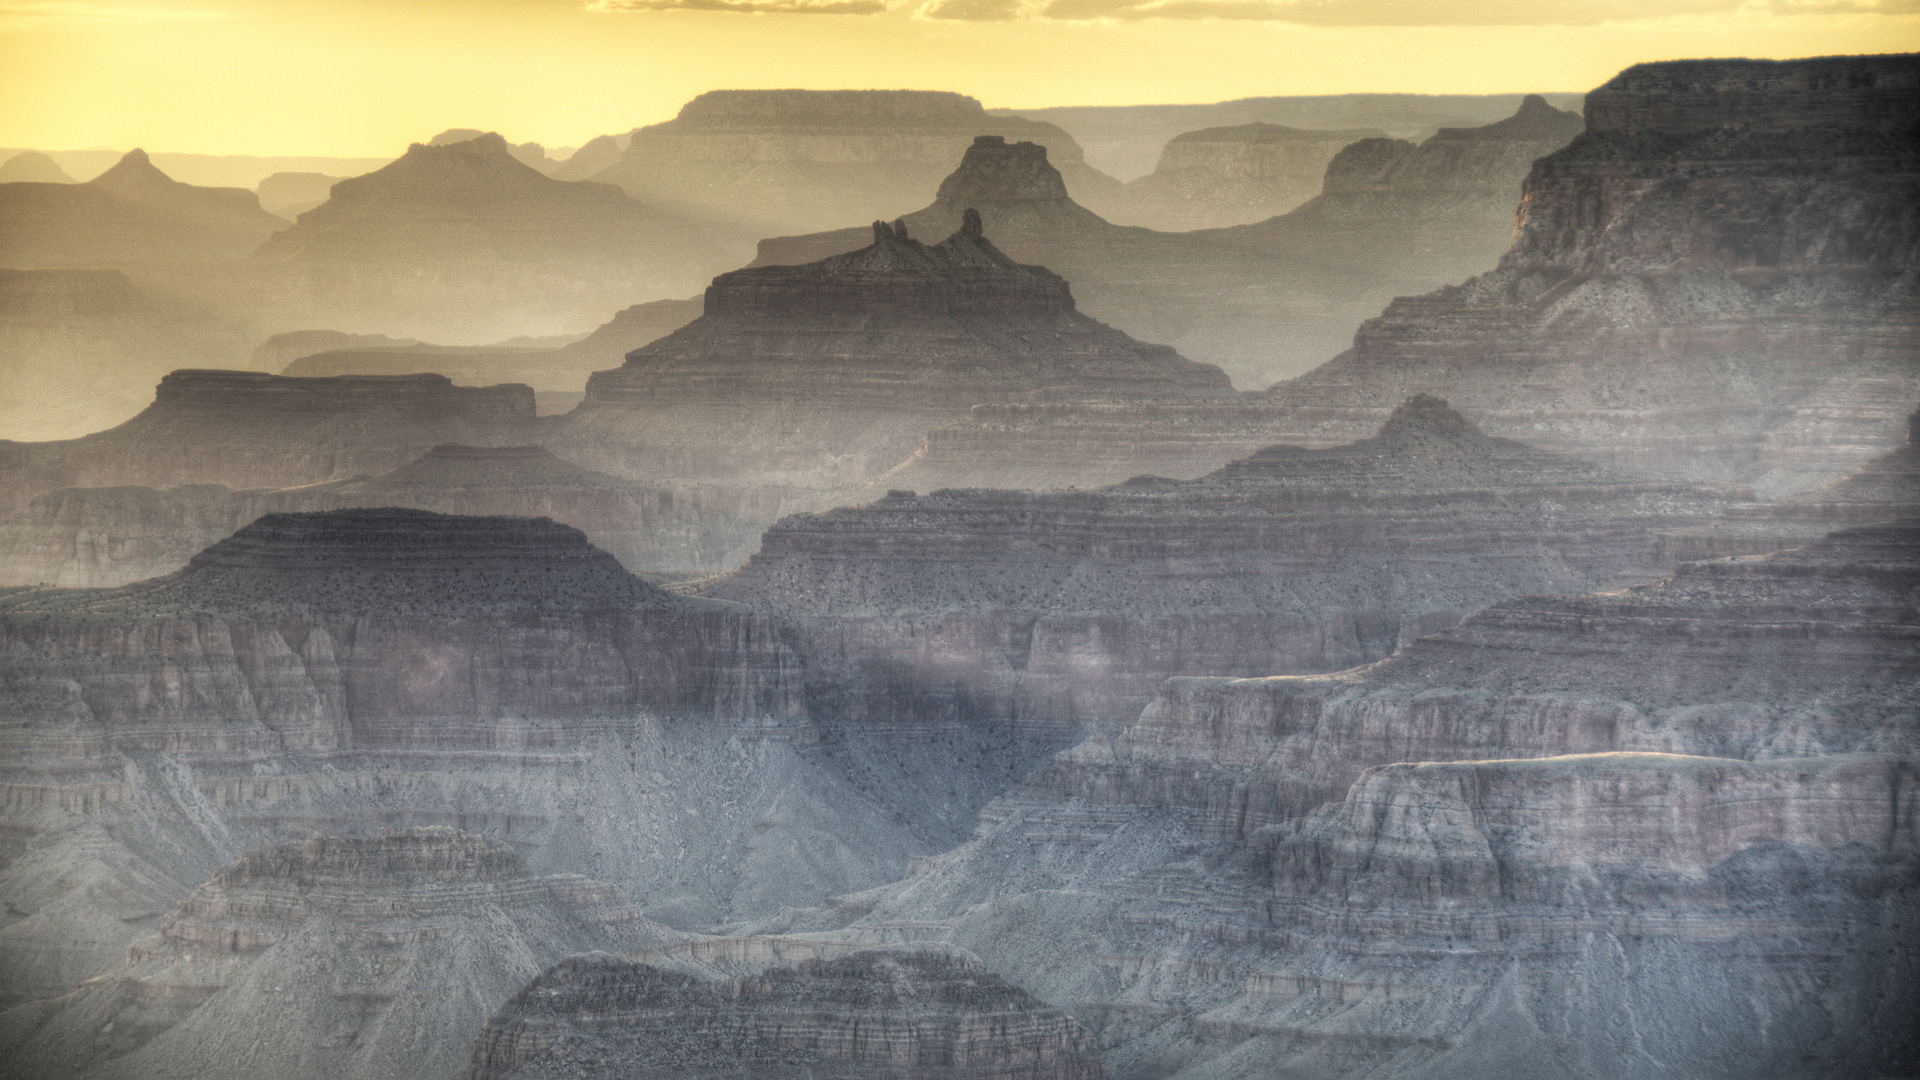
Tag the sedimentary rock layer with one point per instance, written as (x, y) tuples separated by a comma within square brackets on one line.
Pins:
[(916, 1013), (363, 955), (829, 371), (1062, 608)]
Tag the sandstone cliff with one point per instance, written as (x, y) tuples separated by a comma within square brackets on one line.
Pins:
[(806, 159), (362, 955), (1057, 610), (917, 1013), (830, 371), (466, 240), (131, 213), (1715, 279), (1669, 829)]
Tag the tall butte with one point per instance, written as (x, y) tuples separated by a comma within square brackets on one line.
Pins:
[(831, 371)]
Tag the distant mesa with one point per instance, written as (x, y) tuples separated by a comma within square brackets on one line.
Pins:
[(530, 154), (290, 194), (1230, 176), (798, 159), (275, 353), (131, 213), (918, 1012), (33, 167)]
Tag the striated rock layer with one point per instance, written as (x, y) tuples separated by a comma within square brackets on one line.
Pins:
[(915, 1013), (353, 669), (363, 955), (1669, 829), (1061, 609), (831, 370)]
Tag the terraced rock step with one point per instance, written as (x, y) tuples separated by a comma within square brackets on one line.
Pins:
[(914, 1013)]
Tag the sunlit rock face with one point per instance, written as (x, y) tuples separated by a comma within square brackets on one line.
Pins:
[(1055, 610), (916, 1013), (463, 239), (1266, 300), (1668, 828), (1715, 279), (799, 160), (830, 371), (360, 954), (1235, 175), (132, 213), (245, 429), (346, 670)]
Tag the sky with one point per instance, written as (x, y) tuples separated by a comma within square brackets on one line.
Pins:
[(366, 77)]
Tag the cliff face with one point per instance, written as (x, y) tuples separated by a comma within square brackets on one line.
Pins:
[(1054, 610), (1223, 176), (102, 537), (829, 371), (248, 429), (1668, 828), (361, 953), (1261, 300), (132, 213), (807, 159), (461, 238), (919, 1013), (1740, 225)]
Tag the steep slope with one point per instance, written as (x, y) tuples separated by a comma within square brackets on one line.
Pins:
[(914, 1013), (466, 240), (1053, 611), (1664, 830), (1230, 176), (365, 955), (132, 213), (1262, 301), (804, 159), (830, 371), (1744, 226)]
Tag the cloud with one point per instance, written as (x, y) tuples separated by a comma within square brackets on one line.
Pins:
[(792, 7), (78, 15), (1396, 12)]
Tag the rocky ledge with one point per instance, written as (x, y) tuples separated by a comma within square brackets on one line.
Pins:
[(915, 1013), (363, 954)]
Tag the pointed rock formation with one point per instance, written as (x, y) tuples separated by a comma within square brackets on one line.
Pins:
[(916, 1013), (455, 239), (363, 954), (830, 371), (131, 214), (1048, 612), (802, 159)]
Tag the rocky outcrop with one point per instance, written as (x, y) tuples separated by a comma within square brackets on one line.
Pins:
[(1741, 226), (247, 429), (32, 167), (796, 160), (917, 1013), (1264, 300), (1057, 610), (830, 371), (103, 537), (1668, 828), (364, 954), (132, 213), (466, 240), (1225, 176)]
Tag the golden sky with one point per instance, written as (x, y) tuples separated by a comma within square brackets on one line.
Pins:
[(366, 77)]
